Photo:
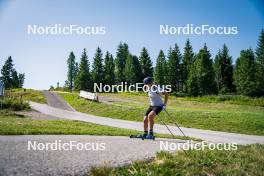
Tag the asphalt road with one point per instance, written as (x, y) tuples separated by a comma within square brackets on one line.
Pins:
[(16, 159), (207, 135), (56, 101)]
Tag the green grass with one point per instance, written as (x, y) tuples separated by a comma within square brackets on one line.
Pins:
[(14, 104), (247, 160), (214, 99), (230, 99), (14, 124), (27, 95), (218, 116)]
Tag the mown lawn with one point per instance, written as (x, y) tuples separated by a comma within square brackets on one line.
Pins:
[(220, 116), (247, 160), (14, 124)]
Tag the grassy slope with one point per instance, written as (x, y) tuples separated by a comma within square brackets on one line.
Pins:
[(219, 116), (247, 160), (29, 94), (13, 124)]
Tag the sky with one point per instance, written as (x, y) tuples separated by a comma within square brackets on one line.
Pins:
[(137, 22)]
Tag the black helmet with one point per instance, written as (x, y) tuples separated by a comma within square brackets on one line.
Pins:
[(148, 80)]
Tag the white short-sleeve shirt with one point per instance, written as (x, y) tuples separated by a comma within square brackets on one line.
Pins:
[(155, 98)]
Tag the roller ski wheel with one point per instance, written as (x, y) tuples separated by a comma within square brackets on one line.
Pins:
[(151, 137), (139, 136)]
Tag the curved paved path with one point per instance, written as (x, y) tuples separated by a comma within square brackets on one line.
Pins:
[(56, 101), (16, 159), (208, 135)]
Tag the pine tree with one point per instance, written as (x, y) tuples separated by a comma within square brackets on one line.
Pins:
[(146, 64), (202, 76), (245, 73), (76, 70), (133, 73), (174, 59), (98, 68), (15, 80), (130, 70), (83, 78), (192, 81), (260, 63), (120, 62), (224, 71), (188, 59), (10, 77), (137, 68), (109, 69), (6, 72), (160, 73), (71, 71), (21, 79)]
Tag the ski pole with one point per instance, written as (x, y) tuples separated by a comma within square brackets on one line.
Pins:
[(172, 134), (167, 128), (175, 123)]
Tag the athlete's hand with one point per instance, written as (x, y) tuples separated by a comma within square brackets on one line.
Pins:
[(164, 107)]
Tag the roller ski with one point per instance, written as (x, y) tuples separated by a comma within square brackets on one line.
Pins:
[(143, 137), (151, 137)]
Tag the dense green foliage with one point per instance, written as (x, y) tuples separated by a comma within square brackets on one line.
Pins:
[(72, 71), (190, 73), (98, 68), (224, 71), (188, 59), (15, 104), (131, 69), (83, 79), (120, 62), (201, 80), (260, 64), (146, 63), (174, 76), (109, 69), (245, 73), (10, 77), (160, 74)]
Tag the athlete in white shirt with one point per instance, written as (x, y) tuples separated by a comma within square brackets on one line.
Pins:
[(156, 105)]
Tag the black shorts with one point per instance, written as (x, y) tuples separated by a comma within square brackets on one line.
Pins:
[(156, 109)]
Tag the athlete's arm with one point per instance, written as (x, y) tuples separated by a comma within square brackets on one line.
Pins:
[(166, 97)]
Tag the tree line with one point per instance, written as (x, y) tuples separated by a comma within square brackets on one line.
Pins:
[(10, 77), (188, 73)]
